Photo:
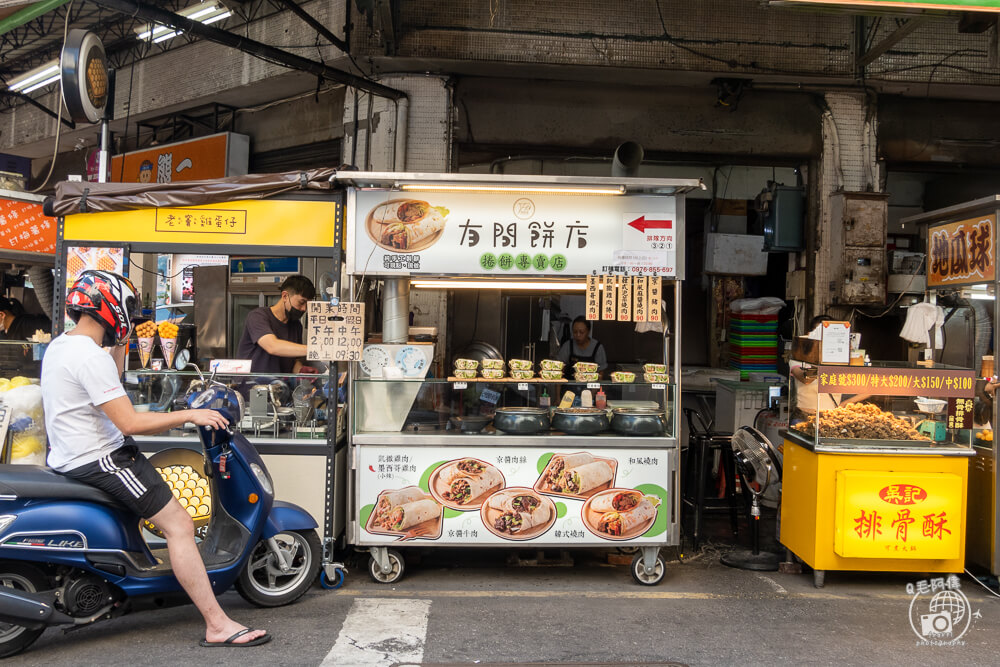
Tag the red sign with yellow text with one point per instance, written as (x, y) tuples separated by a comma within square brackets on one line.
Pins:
[(961, 253), (898, 515), (882, 381), (23, 227), (215, 156)]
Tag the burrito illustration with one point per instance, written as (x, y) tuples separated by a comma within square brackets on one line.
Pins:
[(617, 524), (620, 501), (463, 468), (390, 499), (463, 489), (401, 225), (583, 479), (408, 515), (513, 521), (527, 503), (561, 462)]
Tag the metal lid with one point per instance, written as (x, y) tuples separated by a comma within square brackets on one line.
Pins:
[(640, 411), (523, 411)]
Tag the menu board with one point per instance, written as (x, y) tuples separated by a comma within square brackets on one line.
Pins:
[(610, 289), (625, 299), (960, 413), (836, 343), (497, 495), (655, 297), (335, 333), (640, 298), (593, 298)]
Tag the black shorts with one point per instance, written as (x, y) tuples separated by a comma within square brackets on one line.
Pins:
[(127, 475)]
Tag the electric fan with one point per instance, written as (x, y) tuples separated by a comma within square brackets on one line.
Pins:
[(758, 466)]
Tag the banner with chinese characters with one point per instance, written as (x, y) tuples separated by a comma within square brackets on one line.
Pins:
[(214, 156), (899, 515), (335, 333), (496, 495), (961, 253), (879, 381), (24, 228), (516, 235)]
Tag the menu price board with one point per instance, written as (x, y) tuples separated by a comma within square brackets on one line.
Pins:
[(959, 413), (335, 332), (928, 382), (655, 290), (640, 298), (593, 298), (624, 298), (961, 253), (610, 291)]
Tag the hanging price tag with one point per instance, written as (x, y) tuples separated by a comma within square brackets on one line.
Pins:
[(593, 385), (608, 311), (593, 298), (640, 298), (335, 333), (625, 299), (655, 299), (659, 386), (522, 386)]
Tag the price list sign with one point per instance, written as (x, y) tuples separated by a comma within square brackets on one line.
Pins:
[(959, 413), (625, 299), (640, 298), (655, 299), (335, 333), (608, 301), (593, 298)]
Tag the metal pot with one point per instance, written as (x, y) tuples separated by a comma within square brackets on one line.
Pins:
[(470, 423), (639, 421), (580, 421), (521, 421)]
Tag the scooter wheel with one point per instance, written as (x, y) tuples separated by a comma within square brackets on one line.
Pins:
[(338, 580), (16, 638), (262, 580), (395, 573)]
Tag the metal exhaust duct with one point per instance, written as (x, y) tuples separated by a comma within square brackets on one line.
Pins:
[(626, 162), (396, 310)]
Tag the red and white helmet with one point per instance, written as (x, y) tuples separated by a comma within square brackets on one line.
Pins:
[(107, 297)]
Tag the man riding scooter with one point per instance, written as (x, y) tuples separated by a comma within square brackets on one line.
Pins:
[(90, 419)]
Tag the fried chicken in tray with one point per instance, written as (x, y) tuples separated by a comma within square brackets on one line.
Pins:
[(861, 421)]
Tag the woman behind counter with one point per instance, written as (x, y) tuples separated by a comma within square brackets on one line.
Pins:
[(581, 347), (15, 324)]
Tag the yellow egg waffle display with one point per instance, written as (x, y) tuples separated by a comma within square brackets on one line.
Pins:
[(191, 490)]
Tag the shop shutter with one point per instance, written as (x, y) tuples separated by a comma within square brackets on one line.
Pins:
[(307, 156)]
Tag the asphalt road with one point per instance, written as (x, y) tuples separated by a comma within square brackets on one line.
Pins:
[(463, 607)]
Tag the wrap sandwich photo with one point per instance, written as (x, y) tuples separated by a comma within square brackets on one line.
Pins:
[(560, 462), (463, 468), (584, 478), (517, 512), (617, 524), (462, 490), (616, 501), (408, 515), (406, 225), (392, 499)]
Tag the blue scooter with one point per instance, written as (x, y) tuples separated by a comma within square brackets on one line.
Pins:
[(70, 555)]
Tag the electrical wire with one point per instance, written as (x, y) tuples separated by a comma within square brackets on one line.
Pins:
[(893, 304), (976, 579), (55, 148)]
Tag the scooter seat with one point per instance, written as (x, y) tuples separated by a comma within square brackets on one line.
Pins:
[(41, 482)]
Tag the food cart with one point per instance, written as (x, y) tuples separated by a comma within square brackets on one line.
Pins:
[(27, 255), (876, 468), (292, 420), (961, 257), (454, 446)]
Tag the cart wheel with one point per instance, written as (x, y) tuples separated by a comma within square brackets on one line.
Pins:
[(391, 577), (338, 580), (628, 551), (819, 578), (639, 570)]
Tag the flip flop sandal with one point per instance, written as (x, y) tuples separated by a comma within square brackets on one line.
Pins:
[(232, 643)]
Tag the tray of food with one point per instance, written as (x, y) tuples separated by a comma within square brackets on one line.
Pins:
[(578, 475), (518, 513), (464, 484)]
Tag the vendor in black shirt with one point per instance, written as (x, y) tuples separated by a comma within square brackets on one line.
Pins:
[(581, 347), (15, 324), (272, 335)]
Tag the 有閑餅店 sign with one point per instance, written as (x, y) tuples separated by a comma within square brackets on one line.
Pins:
[(961, 253)]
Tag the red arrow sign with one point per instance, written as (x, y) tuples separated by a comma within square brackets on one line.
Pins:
[(642, 224)]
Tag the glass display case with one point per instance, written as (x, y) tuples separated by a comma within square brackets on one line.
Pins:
[(474, 411), (884, 407)]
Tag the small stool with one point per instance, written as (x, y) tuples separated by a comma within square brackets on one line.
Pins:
[(702, 442)]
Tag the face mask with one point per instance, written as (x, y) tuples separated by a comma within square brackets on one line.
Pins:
[(293, 314)]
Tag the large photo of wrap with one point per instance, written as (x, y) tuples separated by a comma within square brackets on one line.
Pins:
[(406, 225)]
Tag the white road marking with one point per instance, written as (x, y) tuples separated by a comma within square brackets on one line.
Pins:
[(382, 632), (774, 584)]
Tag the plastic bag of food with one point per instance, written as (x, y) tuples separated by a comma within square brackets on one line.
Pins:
[(623, 376), (551, 375), (492, 373), (466, 364), (492, 364), (585, 377), (520, 365), (654, 368), (464, 374), (522, 375), (552, 365), (585, 367)]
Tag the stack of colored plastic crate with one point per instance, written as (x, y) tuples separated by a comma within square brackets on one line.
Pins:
[(753, 343)]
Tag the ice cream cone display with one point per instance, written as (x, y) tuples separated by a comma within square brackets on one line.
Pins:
[(191, 490), (168, 341), (145, 333)]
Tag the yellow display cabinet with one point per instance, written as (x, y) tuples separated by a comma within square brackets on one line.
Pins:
[(876, 468)]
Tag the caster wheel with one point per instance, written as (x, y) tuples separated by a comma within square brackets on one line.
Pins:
[(338, 580), (819, 578), (393, 575), (639, 571)]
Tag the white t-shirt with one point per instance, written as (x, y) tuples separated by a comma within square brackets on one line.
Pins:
[(77, 377)]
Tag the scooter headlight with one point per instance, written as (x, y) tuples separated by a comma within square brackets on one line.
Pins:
[(5, 521), (263, 478)]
